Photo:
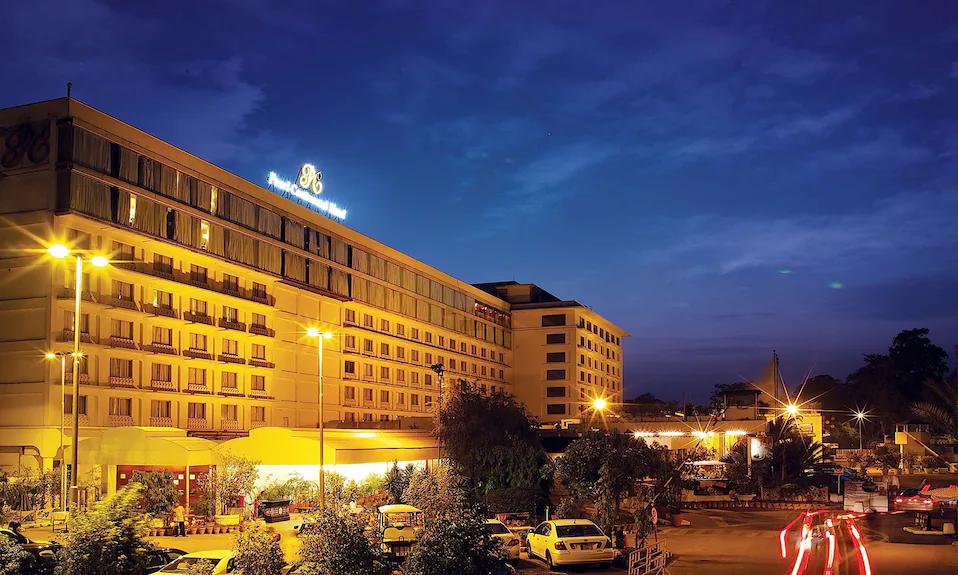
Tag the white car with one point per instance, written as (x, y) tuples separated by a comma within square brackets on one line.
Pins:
[(222, 561), (570, 542), (510, 541)]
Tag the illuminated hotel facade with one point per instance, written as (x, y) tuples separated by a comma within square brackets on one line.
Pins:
[(199, 322)]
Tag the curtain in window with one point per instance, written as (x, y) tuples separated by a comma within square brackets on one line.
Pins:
[(422, 310), (166, 180), (270, 223), (319, 274), (123, 208), (187, 229), (460, 323), (339, 250), (146, 172), (91, 150), (393, 301), (408, 305), (240, 211), (448, 296), (377, 267), (294, 234), (393, 273), (181, 191), (201, 193), (449, 319), (321, 244), (216, 244), (241, 248), (90, 197), (435, 314), (435, 290), (360, 260), (295, 267), (129, 165), (460, 301), (339, 282), (269, 257), (470, 306), (377, 294), (150, 217), (422, 285), (360, 289), (408, 279)]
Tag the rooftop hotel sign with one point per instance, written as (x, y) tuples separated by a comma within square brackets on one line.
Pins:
[(306, 190)]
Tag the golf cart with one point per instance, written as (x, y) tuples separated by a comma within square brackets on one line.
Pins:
[(398, 528)]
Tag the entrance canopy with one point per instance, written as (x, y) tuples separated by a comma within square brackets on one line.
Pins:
[(154, 446)]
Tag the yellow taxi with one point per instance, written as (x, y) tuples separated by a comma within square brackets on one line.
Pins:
[(570, 542)]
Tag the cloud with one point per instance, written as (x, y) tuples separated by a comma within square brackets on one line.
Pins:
[(926, 297)]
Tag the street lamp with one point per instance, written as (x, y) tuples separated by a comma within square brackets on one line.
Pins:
[(321, 336), (60, 251), (439, 373), (599, 404), (860, 416), (63, 382), (791, 409)]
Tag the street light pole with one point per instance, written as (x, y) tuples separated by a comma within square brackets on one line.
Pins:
[(63, 459), (439, 372), (320, 336), (78, 294)]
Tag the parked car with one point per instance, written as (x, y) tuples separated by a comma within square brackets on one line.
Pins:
[(221, 559), (570, 541), (43, 554), (159, 557), (913, 499), (510, 541)]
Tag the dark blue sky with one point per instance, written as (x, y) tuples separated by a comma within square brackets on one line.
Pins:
[(661, 162)]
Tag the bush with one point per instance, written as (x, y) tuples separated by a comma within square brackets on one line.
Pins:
[(460, 545), (109, 538), (514, 500), (337, 545), (257, 553), (203, 567), (13, 559), (930, 462), (159, 491), (437, 492)]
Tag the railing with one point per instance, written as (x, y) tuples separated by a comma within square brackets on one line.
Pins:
[(231, 324), (230, 424), (122, 302), (257, 393), (197, 318), (159, 310), (262, 330), (197, 388), (349, 402), (84, 420), (197, 280), (121, 381), (70, 293), (230, 358), (161, 348), (161, 421), (67, 336), (261, 297), (84, 378), (231, 391), (162, 270), (349, 376), (195, 423), (123, 342), (259, 362), (255, 424), (162, 385), (197, 353), (119, 421)]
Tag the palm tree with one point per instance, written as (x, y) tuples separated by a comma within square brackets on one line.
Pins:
[(791, 450), (942, 414)]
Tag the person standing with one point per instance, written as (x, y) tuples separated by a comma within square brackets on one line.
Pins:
[(179, 520)]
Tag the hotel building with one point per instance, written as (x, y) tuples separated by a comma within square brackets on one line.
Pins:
[(199, 324)]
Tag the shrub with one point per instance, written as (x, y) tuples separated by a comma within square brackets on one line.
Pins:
[(13, 559), (460, 545), (203, 567), (159, 491), (257, 553), (337, 545), (930, 462)]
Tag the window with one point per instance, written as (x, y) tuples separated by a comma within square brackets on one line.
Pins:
[(350, 342), (230, 283), (400, 329), (473, 350), (401, 398), (198, 342), (349, 392), (121, 367), (553, 321), (367, 418), (555, 408), (581, 359), (414, 400), (259, 351), (555, 338), (197, 376), (384, 349), (68, 319), (162, 372), (160, 408), (122, 290), (204, 234), (258, 414), (349, 367), (428, 401), (428, 357), (553, 374), (581, 376), (555, 357), (196, 410), (415, 333), (229, 380), (384, 373), (367, 320), (501, 374), (383, 418), (230, 313), (349, 417), (259, 290), (414, 377), (68, 405), (428, 380), (452, 364), (500, 357), (383, 396), (555, 392), (442, 341), (259, 320), (415, 355), (122, 329), (368, 370), (197, 306), (229, 412), (401, 375), (428, 337), (258, 382), (475, 368), (198, 274), (368, 345), (367, 395), (349, 316), (122, 252), (400, 353), (462, 347), (452, 344), (483, 371), (384, 325), (230, 347), (162, 299), (483, 350), (121, 406)]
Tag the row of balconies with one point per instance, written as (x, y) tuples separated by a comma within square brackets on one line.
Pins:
[(162, 348), (196, 280), (405, 360), (165, 385), (420, 341), (191, 423), (392, 406)]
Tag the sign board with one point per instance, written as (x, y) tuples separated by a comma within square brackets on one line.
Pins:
[(306, 190)]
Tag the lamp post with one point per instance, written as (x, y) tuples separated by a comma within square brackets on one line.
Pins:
[(860, 416), (439, 372), (60, 251), (599, 404), (63, 383), (320, 337)]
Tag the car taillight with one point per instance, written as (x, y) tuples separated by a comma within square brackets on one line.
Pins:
[(513, 542), (899, 500), (927, 502), (560, 546)]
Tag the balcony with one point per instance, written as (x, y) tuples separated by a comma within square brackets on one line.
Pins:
[(67, 336), (119, 421), (194, 317), (197, 388), (260, 362), (197, 354), (161, 348), (230, 425), (262, 330), (230, 358), (199, 280), (70, 293), (255, 424), (231, 289), (231, 392), (122, 381), (160, 311), (349, 402), (84, 378), (121, 302), (257, 393), (161, 422), (348, 375), (161, 385), (231, 324), (261, 297), (368, 403), (196, 423), (84, 420), (123, 343)]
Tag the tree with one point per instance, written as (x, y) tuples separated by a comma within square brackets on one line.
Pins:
[(605, 468), (257, 553), (459, 544), (943, 413), (791, 452), (13, 559), (235, 476), (397, 480), (438, 493), (159, 491), (338, 545), (514, 500), (109, 538), (490, 440), (647, 405), (717, 399)]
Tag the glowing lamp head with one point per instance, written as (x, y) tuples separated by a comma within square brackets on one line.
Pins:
[(58, 251), (50, 355), (791, 409), (599, 403), (99, 262), (859, 415), (327, 335), (312, 332)]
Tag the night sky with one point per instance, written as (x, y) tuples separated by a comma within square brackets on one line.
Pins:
[(720, 179)]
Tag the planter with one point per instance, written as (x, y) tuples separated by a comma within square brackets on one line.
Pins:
[(746, 497), (227, 520), (677, 518)]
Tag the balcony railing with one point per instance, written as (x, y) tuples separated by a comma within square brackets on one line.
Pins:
[(160, 310), (122, 381), (122, 302), (349, 402), (67, 336), (254, 424), (255, 362), (119, 421), (231, 391), (162, 385), (123, 342), (262, 330), (70, 293), (229, 358), (230, 424), (84, 420), (198, 280), (84, 378), (193, 317), (231, 324), (261, 297), (197, 353), (161, 348), (161, 422), (196, 423), (257, 393), (197, 388)]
